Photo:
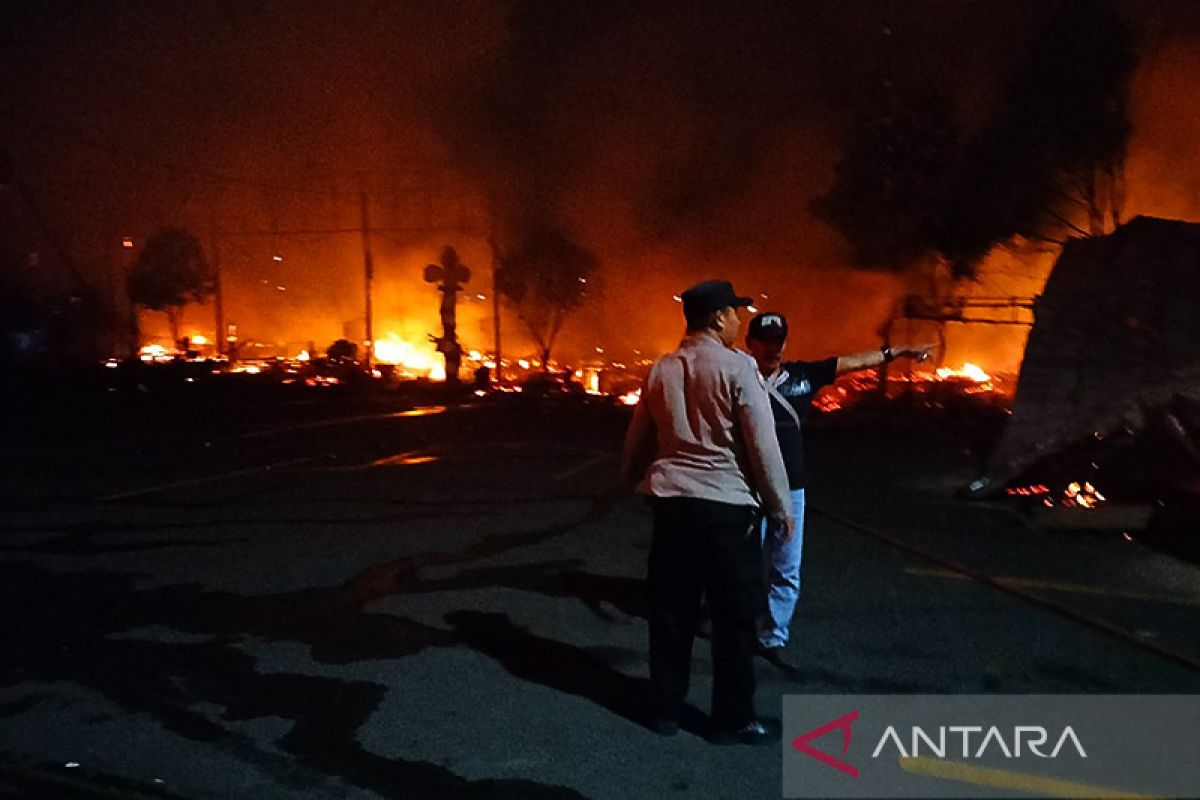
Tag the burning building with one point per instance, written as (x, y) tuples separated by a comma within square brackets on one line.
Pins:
[(1115, 347)]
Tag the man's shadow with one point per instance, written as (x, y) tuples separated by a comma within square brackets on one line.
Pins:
[(561, 667)]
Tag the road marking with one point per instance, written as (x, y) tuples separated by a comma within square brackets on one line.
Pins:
[(419, 411), (406, 459), (1058, 586), (207, 479), (1131, 637), (1007, 779), (403, 460)]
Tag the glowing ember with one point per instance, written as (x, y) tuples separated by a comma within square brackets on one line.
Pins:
[(1029, 491), (831, 399), (199, 339), (630, 398), (154, 352), (934, 386), (968, 370), (1081, 495), (303, 356)]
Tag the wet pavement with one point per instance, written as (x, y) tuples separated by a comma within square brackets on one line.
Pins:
[(353, 599)]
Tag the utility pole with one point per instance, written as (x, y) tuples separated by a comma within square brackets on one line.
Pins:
[(111, 262), (496, 308), (369, 277), (218, 298), (131, 310)]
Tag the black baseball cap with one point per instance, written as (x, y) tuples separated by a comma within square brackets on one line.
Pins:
[(711, 296), (768, 325)]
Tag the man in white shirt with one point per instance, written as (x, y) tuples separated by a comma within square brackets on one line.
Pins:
[(702, 447)]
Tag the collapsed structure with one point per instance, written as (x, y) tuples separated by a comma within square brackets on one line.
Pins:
[(1115, 344)]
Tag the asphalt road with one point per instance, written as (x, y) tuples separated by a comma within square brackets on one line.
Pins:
[(356, 598)]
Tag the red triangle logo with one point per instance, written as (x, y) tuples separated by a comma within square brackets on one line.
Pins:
[(843, 722)]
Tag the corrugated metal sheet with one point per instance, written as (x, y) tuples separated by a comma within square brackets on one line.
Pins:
[(1116, 335)]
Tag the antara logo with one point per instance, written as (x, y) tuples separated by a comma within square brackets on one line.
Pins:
[(1023, 738), (1033, 737), (801, 743)]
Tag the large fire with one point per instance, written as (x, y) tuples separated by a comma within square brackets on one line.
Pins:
[(413, 361), (968, 370), (969, 379)]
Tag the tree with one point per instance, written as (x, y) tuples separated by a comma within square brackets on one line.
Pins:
[(545, 277), (1047, 163), (169, 272)]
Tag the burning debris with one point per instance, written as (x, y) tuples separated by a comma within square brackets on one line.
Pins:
[(932, 388), (1076, 494), (969, 371), (1082, 495), (1109, 391), (1116, 339)]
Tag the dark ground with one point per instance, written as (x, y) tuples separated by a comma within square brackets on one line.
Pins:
[(326, 593)]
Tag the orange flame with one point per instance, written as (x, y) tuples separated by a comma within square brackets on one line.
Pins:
[(414, 361), (968, 370)]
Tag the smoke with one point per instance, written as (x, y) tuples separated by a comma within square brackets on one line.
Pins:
[(681, 149), (673, 144)]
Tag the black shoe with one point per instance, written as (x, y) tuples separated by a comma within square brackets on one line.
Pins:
[(755, 733), (664, 726), (775, 656)]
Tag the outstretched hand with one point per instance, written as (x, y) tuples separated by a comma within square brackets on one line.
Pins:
[(917, 352)]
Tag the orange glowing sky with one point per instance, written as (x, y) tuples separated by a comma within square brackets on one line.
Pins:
[(676, 150)]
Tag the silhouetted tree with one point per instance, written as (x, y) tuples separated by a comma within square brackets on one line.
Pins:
[(1047, 164), (169, 272), (545, 277)]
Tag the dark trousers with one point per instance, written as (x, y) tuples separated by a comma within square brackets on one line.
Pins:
[(705, 548)]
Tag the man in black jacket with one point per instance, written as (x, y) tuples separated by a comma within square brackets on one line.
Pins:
[(792, 386)]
